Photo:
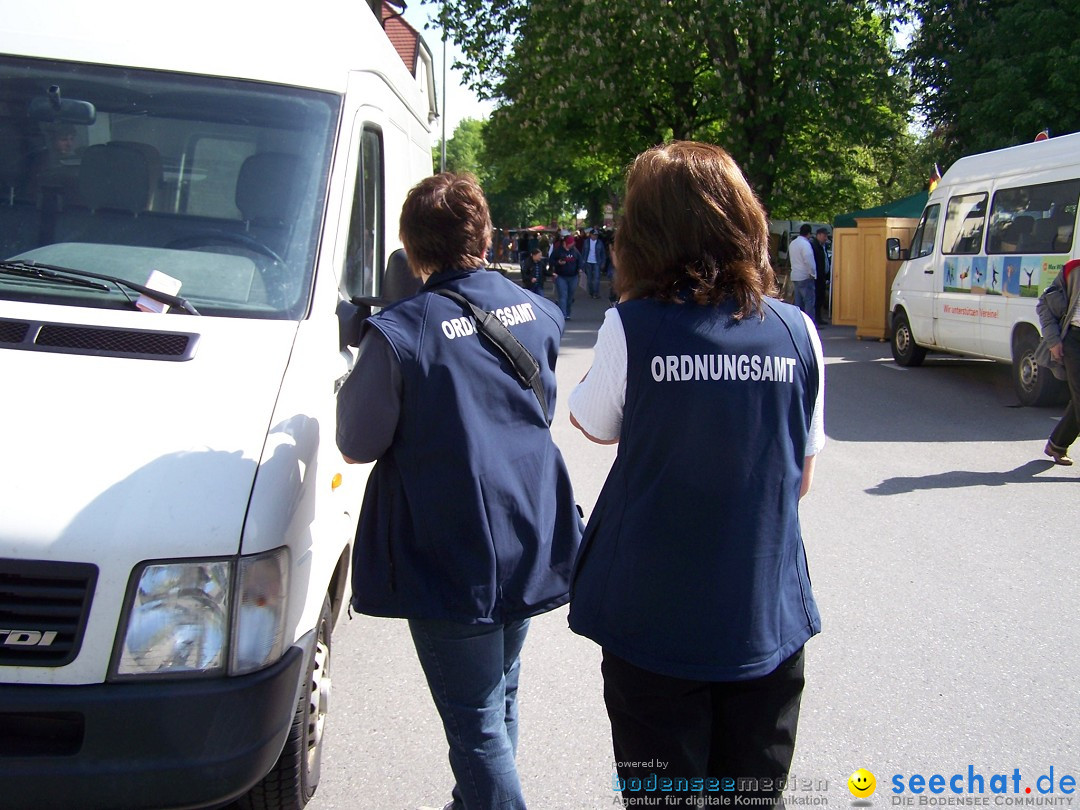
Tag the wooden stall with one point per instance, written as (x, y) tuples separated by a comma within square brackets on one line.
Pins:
[(861, 275)]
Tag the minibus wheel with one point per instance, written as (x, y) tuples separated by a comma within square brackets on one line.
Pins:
[(1034, 386), (905, 351), (292, 781)]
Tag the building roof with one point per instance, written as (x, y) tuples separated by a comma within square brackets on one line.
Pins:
[(404, 38)]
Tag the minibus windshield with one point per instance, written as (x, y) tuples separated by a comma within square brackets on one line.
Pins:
[(216, 183)]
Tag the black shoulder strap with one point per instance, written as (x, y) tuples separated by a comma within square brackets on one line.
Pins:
[(523, 363)]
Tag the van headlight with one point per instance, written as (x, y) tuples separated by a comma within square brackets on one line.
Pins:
[(184, 618)]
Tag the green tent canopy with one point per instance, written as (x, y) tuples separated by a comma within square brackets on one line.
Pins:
[(905, 207)]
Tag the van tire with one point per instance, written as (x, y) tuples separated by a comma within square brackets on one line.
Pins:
[(1034, 386), (292, 781), (905, 351)]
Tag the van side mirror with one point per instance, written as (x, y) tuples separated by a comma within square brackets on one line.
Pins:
[(398, 282), (351, 315), (893, 251)]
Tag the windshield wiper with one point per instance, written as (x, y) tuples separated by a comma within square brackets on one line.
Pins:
[(69, 275), (13, 269)]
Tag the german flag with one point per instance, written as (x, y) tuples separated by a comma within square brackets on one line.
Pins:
[(935, 177)]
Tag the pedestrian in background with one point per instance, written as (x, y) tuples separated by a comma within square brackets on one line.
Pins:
[(594, 255), (821, 275), (692, 574), (461, 538), (532, 277), (1059, 316), (566, 264), (803, 271)]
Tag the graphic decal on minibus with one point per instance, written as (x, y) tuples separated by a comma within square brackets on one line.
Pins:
[(1011, 276)]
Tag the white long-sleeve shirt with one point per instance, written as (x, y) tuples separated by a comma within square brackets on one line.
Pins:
[(801, 255)]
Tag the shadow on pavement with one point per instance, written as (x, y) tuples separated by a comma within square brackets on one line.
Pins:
[(955, 479)]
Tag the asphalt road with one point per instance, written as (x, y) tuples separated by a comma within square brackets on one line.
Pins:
[(943, 550)]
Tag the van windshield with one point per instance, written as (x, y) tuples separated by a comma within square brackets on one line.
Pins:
[(218, 183)]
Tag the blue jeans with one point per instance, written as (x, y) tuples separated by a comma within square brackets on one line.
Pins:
[(805, 295), (472, 672), (592, 272), (564, 289)]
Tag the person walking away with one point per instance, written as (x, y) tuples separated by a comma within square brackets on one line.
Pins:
[(464, 540), (692, 575), (821, 275), (566, 264), (803, 270), (595, 257), (1059, 316), (532, 277)]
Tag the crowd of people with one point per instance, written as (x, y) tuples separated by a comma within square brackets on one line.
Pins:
[(695, 586), (572, 259)]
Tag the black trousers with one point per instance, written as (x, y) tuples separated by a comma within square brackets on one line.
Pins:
[(1067, 429), (821, 303), (683, 739)]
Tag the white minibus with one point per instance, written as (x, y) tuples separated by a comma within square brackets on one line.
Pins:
[(995, 232)]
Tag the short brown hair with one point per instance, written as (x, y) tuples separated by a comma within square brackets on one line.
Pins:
[(693, 226), (445, 223)]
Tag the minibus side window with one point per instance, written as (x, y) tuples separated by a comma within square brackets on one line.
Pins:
[(922, 243), (964, 220), (1033, 219), (365, 246)]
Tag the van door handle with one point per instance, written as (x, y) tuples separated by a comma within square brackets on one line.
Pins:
[(928, 272)]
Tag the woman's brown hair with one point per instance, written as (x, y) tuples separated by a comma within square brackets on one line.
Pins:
[(445, 224), (693, 226)]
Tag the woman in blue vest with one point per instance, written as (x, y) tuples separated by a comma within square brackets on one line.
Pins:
[(692, 574), (469, 525)]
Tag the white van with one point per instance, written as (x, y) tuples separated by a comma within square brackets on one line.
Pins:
[(995, 232), (188, 195)]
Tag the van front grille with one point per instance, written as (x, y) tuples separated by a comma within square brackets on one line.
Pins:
[(97, 340), (13, 331), (44, 607)]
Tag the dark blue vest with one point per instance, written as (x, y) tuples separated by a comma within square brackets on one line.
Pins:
[(692, 564), (469, 516)]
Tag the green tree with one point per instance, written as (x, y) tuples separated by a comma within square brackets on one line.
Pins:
[(792, 89), (993, 73), (463, 149)]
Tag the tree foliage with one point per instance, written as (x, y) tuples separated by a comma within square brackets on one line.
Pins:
[(993, 73), (462, 149), (803, 93)]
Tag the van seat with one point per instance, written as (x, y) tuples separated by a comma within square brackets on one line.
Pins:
[(1043, 235), (266, 195), (1024, 227), (117, 181)]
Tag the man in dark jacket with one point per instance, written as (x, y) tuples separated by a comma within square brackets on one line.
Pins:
[(821, 281)]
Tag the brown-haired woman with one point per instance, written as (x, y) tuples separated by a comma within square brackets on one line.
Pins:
[(692, 574), (469, 525)]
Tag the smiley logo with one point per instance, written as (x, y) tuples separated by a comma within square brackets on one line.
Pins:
[(862, 783)]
